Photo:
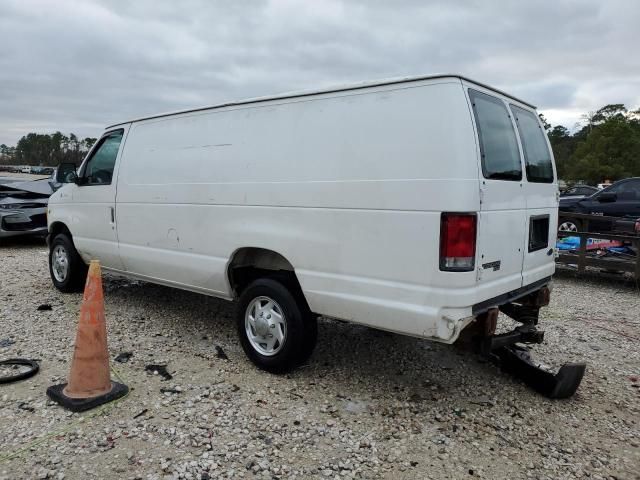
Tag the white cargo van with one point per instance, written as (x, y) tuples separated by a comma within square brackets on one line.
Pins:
[(418, 206)]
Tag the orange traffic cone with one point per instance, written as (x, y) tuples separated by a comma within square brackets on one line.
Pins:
[(90, 382)]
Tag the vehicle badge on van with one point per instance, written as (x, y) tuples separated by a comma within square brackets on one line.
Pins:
[(492, 265)]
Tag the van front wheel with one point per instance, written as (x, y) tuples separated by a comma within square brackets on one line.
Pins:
[(68, 271), (272, 325)]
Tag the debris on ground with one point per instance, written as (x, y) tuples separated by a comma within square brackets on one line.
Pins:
[(26, 406), (123, 357), (139, 414), (159, 370), (44, 307), (170, 390), (17, 370), (483, 401), (220, 353)]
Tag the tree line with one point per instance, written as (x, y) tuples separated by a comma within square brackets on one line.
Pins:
[(605, 147), (48, 150)]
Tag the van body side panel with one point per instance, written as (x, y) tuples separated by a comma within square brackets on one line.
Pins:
[(348, 187)]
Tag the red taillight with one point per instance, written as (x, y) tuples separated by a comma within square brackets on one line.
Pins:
[(457, 242)]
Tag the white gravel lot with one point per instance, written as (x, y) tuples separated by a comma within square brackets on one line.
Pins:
[(367, 405)]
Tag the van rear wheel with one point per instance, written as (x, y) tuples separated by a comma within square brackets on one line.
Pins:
[(276, 330), (68, 271)]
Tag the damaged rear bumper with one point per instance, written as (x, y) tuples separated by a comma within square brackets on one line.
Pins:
[(508, 349), (511, 296)]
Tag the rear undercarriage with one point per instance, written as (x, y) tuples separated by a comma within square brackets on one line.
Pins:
[(509, 350)]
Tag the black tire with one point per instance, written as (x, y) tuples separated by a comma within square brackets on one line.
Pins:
[(569, 225), (77, 269), (310, 338), (311, 319), (32, 364), (301, 328)]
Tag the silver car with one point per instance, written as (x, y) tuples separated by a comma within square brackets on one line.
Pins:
[(23, 207)]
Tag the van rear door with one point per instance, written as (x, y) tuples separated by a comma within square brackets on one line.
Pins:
[(540, 191), (502, 216)]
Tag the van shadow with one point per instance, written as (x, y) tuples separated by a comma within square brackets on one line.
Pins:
[(365, 362)]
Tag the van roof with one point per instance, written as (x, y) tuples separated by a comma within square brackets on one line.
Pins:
[(342, 88)]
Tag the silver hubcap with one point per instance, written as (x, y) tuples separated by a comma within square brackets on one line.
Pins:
[(60, 263), (265, 325), (568, 227)]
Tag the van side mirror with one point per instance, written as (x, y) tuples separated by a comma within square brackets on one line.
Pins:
[(66, 173), (607, 197)]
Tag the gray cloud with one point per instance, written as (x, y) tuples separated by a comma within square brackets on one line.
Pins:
[(80, 65)]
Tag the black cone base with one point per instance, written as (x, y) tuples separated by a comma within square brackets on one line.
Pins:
[(81, 404)]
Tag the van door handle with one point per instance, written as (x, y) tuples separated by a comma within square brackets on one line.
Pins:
[(113, 214)]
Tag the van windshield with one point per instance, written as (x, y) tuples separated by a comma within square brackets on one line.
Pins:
[(498, 144), (536, 152)]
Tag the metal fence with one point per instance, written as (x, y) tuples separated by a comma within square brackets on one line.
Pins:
[(583, 257)]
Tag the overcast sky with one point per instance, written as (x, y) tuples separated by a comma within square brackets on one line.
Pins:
[(77, 66)]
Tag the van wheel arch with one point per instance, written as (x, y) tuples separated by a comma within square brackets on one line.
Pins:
[(251, 263), (57, 228)]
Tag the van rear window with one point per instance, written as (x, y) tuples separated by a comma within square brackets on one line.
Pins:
[(498, 144), (534, 145)]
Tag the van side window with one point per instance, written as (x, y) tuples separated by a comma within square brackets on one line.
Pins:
[(99, 168), (498, 144), (536, 152)]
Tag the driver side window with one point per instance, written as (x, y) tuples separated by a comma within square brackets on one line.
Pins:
[(627, 190), (99, 168)]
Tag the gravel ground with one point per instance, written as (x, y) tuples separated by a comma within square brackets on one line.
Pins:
[(368, 405)]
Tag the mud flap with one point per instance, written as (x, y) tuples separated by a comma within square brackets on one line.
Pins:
[(518, 362)]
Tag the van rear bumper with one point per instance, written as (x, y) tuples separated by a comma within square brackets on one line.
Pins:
[(508, 297)]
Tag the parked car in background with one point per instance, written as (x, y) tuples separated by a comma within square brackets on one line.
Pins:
[(621, 199), (23, 207), (25, 170), (579, 191), (627, 225)]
